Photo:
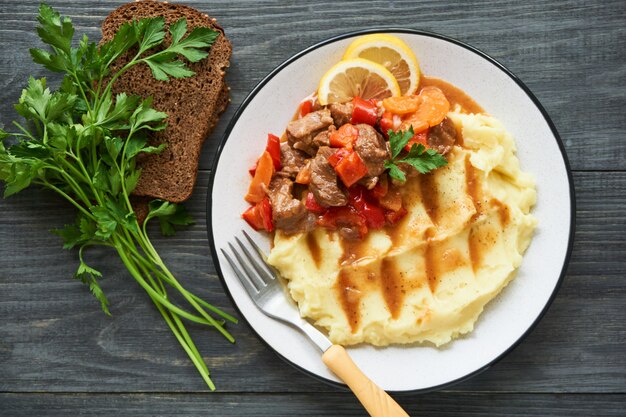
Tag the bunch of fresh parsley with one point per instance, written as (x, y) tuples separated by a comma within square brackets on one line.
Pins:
[(81, 142), (422, 159)]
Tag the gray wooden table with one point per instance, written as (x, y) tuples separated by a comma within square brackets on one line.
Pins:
[(60, 355)]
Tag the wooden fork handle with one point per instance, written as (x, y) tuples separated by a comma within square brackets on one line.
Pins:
[(375, 400)]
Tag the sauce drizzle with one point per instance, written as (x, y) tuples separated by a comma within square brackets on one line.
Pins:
[(314, 248), (503, 211), (472, 185), (350, 297), (428, 190), (473, 243), (392, 286), (430, 260)]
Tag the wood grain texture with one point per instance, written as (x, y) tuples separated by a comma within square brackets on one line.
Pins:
[(281, 405), (60, 355)]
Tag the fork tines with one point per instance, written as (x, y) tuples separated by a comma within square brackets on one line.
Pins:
[(250, 266)]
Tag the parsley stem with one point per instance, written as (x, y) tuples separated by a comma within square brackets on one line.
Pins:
[(121, 245), (174, 282), (197, 360), (26, 132), (190, 343), (154, 294), (195, 297), (80, 88), (179, 323), (180, 332), (57, 190), (175, 324)]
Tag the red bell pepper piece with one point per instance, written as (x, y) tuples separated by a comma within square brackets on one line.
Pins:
[(334, 159), (351, 168), (386, 123), (259, 216), (312, 205), (389, 121), (420, 137), (344, 137), (251, 215), (364, 111), (273, 147), (374, 214), (266, 214), (306, 107), (345, 216), (381, 188), (394, 217)]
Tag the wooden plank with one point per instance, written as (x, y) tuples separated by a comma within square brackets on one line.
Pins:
[(564, 51), (288, 405), (53, 336)]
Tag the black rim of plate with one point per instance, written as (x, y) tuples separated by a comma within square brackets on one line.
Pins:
[(534, 99)]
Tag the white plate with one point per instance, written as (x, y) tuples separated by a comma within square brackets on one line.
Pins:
[(506, 319)]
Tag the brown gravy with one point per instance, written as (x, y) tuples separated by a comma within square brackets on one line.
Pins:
[(392, 286), (472, 185), (428, 189), (350, 296), (454, 94), (314, 248), (503, 211)]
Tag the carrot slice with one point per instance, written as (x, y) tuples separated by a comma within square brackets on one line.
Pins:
[(434, 106), (401, 105), (261, 179), (432, 109), (304, 176)]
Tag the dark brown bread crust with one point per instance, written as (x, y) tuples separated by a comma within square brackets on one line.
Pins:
[(193, 104)]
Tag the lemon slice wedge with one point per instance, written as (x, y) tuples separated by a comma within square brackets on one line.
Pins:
[(356, 78), (392, 53)]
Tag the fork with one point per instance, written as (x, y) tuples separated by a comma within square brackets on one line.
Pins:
[(260, 282)]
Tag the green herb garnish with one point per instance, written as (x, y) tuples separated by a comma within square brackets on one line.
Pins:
[(81, 142), (422, 159)]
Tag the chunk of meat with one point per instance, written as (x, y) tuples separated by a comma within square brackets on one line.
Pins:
[(368, 182), (323, 183), (372, 148), (292, 160), (341, 113), (323, 138), (442, 137), (300, 132), (288, 213)]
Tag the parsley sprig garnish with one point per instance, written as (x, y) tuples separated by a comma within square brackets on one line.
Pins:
[(81, 141), (422, 159)]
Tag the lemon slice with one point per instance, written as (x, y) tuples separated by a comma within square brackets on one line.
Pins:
[(392, 53), (356, 78)]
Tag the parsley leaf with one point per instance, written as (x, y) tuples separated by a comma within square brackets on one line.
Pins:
[(87, 275), (399, 140), (169, 215), (165, 64), (422, 159)]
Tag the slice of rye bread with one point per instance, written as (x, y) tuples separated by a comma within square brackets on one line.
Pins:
[(140, 203), (193, 104)]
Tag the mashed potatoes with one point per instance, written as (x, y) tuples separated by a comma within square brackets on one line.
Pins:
[(427, 279)]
